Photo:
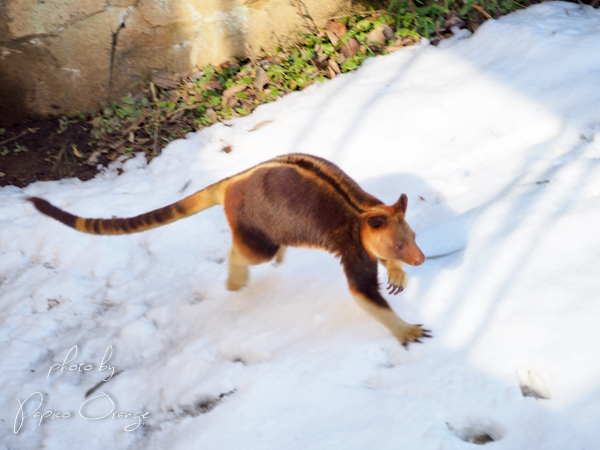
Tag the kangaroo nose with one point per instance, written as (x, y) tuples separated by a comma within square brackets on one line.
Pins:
[(419, 260)]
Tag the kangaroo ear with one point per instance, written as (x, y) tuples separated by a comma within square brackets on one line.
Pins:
[(401, 204), (377, 222)]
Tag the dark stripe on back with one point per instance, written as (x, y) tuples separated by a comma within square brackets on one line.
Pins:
[(50, 210), (304, 162)]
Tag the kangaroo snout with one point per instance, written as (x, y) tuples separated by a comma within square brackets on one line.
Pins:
[(418, 259)]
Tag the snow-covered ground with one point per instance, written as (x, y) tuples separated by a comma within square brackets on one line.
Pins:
[(496, 140)]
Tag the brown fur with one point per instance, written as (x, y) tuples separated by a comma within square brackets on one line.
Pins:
[(300, 201)]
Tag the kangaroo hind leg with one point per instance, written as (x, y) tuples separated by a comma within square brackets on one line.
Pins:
[(280, 254), (238, 269), (239, 261)]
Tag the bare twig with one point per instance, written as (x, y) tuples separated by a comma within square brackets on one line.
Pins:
[(157, 113), (134, 126), (94, 388), (303, 12), (411, 3), (156, 122), (482, 11), (21, 134), (62, 159), (516, 3), (375, 12)]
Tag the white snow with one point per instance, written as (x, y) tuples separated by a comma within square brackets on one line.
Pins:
[(496, 140)]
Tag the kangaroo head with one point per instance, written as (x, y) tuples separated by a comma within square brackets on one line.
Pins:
[(386, 235)]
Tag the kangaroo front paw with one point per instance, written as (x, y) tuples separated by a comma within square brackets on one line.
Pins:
[(397, 281), (411, 333)]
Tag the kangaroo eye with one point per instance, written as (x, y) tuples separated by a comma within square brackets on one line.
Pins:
[(400, 247)]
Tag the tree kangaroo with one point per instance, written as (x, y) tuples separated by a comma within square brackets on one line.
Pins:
[(300, 201)]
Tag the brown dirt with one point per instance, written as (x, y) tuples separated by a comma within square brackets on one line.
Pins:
[(50, 155)]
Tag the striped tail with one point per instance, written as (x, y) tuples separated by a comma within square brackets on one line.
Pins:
[(199, 201)]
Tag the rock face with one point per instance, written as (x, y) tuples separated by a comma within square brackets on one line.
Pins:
[(63, 56)]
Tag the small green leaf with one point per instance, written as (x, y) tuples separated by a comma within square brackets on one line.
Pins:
[(364, 25), (209, 70), (328, 49)]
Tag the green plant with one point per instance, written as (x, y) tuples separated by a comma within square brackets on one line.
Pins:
[(427, 17), (63, 124), (16, 150), (19, 148), (156, 116)]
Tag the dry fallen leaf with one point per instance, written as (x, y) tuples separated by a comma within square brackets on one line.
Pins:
[(391, 48), (350, 48), (173, 95), (211, 114), (211, 85), (400, 42), (335, 31), (262, 79), (260, 125), (332, 37), (227, 147), (93, 159), (223, 65), (377, 36), (165, 79), (321, 61), (334, 66), (228, 99)]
